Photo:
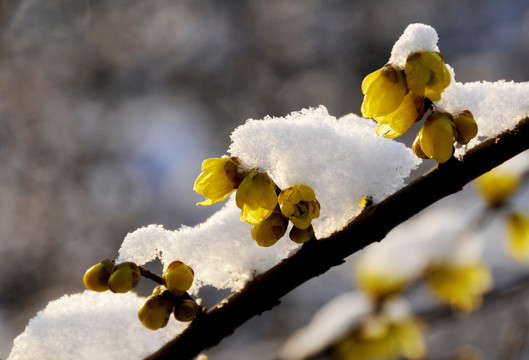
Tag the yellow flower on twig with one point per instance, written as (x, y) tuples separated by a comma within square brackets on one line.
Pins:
[(256, 197), (426, 74), (218, 179), (384, 91), (497, 185), (299, 204), (459, 285)]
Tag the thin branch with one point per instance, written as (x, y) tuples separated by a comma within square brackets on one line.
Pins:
[(316, 257), (146, 273)]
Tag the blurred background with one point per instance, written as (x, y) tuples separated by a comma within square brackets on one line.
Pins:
[(108, 108)]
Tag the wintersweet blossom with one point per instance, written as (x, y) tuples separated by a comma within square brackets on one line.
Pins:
[(155, 312), (218, 179), (298, 203), (384, 91), (460, 285), (96, 278), (497, 185), (399, 121), (466, 127), (436, 138), (256, 197), (269, 231), (427, 74)]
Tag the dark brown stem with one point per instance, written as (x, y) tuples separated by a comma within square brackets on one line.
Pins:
[(150, 275), (316, 257)]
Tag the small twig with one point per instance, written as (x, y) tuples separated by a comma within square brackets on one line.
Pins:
[(150, 275)]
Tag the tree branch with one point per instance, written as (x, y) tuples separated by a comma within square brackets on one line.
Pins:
[(316, 257)]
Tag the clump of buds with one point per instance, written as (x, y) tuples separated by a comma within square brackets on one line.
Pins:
[(169, 298)]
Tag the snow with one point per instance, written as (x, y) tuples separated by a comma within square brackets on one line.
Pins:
[(290, 150), (341, 159), (416, 37), (220, 250), (90, 326)]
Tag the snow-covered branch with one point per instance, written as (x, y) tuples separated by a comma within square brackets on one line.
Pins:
[(314, 258)]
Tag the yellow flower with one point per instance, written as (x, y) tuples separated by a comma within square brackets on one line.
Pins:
[(178, 277), (384, 91), (299, 204), (381, 338), (256, 197), (96, 278), (301, 236), (459, 285), (124, 277), (466, 127), (218, 179), (436, 137), (155, 312), (497, 185), (186, 310), (399, 121), (379, 285), (267, 232), (518, 243), (426, 74)]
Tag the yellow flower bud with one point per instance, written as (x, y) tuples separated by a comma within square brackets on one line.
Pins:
[(384, 90), (466, 127), (267, 232), (256, 197), (399, 121), (155, 312), (436, 137), (218, 179), (497, 185), (461, 286), (124, 277), (301, 236), (518, 242), (96, 278), (416, 147), (426, 74), (186, 310), (299, 204), (178, 277)]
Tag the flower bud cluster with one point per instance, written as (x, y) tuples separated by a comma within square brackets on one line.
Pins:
[(262, 203), (397, 98), (170, 298), (119, 278), (440, 131)]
